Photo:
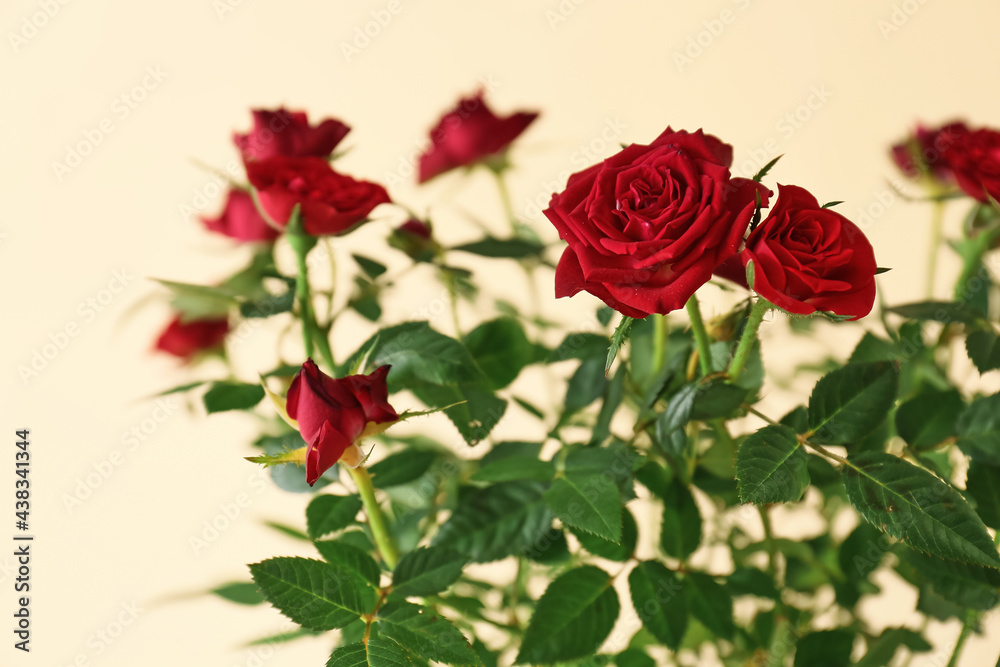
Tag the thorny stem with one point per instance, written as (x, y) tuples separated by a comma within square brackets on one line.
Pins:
[(376, 520), (760, 308)]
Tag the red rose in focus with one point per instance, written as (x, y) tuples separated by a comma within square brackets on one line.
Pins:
[(974, 160), (185, 339), (333, 413), (922, 152), (649, 225), (468, 134), (807, 258), (283, 132), (240, 219), (331, 203)]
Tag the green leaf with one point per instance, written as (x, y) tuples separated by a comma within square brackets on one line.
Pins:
[(314, 594), (579, 346), (239, 592), (514, 468), (376, 653), (473, 409), (969, 586), (427, 571), (272, 304), (766, 168), (771, 467), (710, 603), (505, 519), (585, 385), (616, 551), (634, 657), (501, 349), (940, 311), (425, 633), (979, 430), (515, 248), (680, 532), (287, 530), (572, 618), (618, 339), (928, 418), (232, 396), (591, 503), (327, 513), (346, 556), (751, 581), (850, 402), (882, 649), (983, 347), (826, 648), (614, 393), (200, 301), (401, 468), (913, 506), (371, 268), (983, 486), (657, 595)]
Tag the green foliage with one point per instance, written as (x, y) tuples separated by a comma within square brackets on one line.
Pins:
[(329, 513), (224, 396), (850, 402), (772, 467), (427, 571)]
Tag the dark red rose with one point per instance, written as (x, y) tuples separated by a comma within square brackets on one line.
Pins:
[(240, 220), (807, 258), (414, 238), (288, 133), (333, 413), (331, 203), (649, 225), (974, 160), (468, 134), (922, 152), (185, 339)]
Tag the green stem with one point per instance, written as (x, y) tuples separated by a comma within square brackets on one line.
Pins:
[(660, 331), (937, 223), (967, 625), (749, 336), (781, 641), (772, 549), (304, 299), (376, 520), (508, 206), (700, 335)]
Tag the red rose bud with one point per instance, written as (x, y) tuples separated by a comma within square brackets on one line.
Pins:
[(333, 413), (288, 133), (468, 134), (330, 203), (185, 339), (240, 219), (807, 258), (974, 160), (649, 225), (414, 238), (922, 152)]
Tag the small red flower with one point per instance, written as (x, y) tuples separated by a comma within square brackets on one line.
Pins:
[(288, 133), (240, 219), (185, 339)]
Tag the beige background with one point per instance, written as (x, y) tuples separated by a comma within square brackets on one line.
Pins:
[(857, 72)]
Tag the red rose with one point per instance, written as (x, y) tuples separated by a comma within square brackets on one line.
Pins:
[(922, 152), (807, 258), (649, 225), (241, 220), (974, 160), (185, 339), (283, 132), (333, 413), (414, 238), (331, 203), (468, 134)]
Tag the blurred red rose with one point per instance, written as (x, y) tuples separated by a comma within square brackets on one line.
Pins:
[(333, 413), (922, 152), (468, 134), (414, 238), (240, 219), (185, 339), (974, 160), (288, 133), (649, 225), (331, 203)]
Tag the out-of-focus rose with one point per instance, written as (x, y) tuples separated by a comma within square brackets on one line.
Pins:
[(331, 203), (974, 160), (333, 414), (240, 219), (649, 225), (186, 339), (807, 258), (468, 134), (288, 133), (923, 151), (414, 238)]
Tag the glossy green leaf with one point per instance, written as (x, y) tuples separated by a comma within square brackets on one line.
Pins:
[(616, 551), (515, 468), (928, 418), (591, 503), (501, 349), (327, 513), (979, 430), (239, 592), (376, 653), (345, 555), (983, 486), (425, 633), (680, 531), (771, 467), (850, 402), (657, 595), (402, 467), (232, 396), (427, 571)]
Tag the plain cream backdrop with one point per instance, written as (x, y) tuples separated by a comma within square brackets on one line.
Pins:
[(829, 84)]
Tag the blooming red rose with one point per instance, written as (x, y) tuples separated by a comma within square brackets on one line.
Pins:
[(241, 220), (333, 413), (331, 203), (468, 134), (922, 152), (283, 132), (807, 258), (649, 225), (974, 160), (185, 339)]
